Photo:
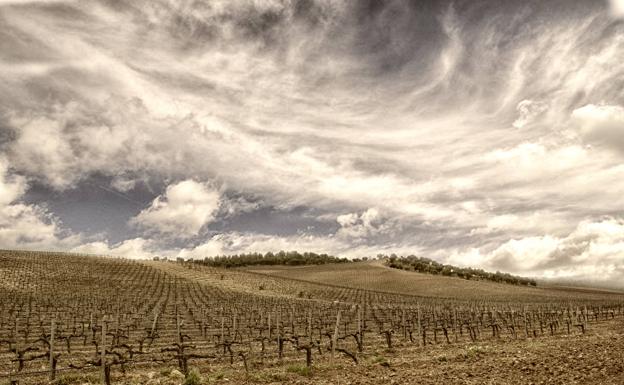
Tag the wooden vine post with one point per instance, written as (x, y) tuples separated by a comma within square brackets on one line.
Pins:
[(222, 328), (359, 329), (526, 324), (103, 377), (335, 336), (154, 322), (420, 333), (279, 334), (52, 365), (310, 326), (403, 324)]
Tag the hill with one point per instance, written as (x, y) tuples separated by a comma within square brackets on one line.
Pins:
[(374, 275), (154, 322)]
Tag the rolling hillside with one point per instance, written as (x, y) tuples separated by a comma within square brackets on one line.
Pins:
[(373, 275), (338, 323)]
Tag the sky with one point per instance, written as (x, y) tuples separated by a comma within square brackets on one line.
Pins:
[(478, 133)]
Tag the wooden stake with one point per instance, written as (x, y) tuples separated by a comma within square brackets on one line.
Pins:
[(310, 325), (155, 321), (279, 333), (335, 336), (52, 370), (359, 322), (103, 357), (403, 324), (222, 325), (419, 323)]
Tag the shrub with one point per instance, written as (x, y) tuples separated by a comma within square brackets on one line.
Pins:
[(193, 378)]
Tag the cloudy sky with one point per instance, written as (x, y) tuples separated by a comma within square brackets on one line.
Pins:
[(475, 132)]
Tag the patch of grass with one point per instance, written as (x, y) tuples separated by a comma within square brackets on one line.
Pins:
[(302, 370), (76, 378), (474, 352), (193, 378), (218, 376), (254, 377), (379, 359)]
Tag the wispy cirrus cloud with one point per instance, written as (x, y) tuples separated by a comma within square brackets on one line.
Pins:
[(438, 127)]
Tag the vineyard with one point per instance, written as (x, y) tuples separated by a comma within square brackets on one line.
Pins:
[(62, 314)]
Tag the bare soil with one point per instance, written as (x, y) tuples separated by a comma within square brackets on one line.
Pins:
[(594, 358)]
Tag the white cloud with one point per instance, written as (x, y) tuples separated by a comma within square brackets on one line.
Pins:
[(24, 2), (592, 249), (237, 205), (524, 223), (617, 8), (11, 187), (529, 111), (136, 248), (123, 184), (23, 225), (368, 224), (602, 125), (71, 141), (46, 149), (303, 113), (182, 210), (234, 242)]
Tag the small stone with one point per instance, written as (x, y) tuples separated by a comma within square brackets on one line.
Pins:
[(176, 374)]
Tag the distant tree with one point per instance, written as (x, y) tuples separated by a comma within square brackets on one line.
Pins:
[(429, 266), (290, 258)]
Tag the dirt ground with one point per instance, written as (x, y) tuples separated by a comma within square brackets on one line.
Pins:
[(595, 358)]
